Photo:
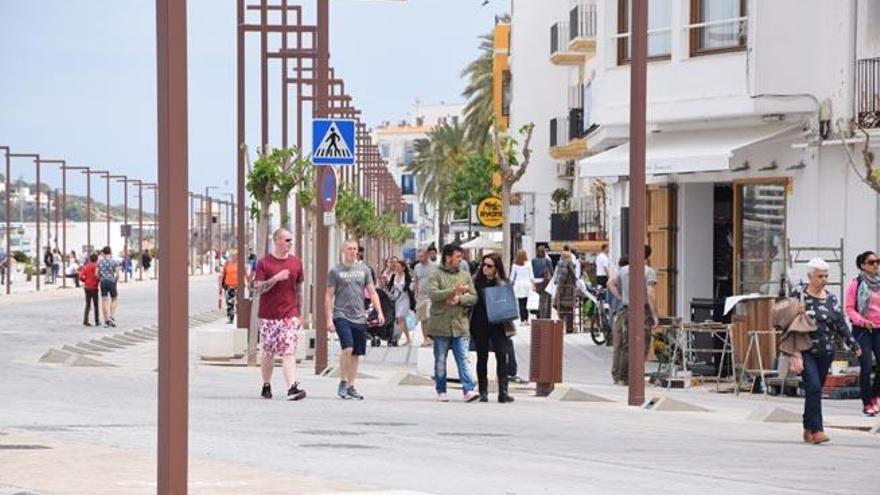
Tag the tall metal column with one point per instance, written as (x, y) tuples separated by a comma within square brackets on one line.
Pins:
[(39, 255), (637, 138), (8, 266), (173, 439), (321, 75)]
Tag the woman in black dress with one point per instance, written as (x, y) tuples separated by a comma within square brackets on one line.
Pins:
[(490, 274)]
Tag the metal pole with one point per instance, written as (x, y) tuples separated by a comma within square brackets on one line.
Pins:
[(64, 221), (173, 286), (242, 318), (192, 225), (127, 226), (36, 159), (637, 136), (264, 78), (89, 211), (319, 109), (108, 208), (8, 266), (156, 224), (141, 228)]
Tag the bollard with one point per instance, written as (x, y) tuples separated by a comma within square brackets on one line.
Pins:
[(545, 361)]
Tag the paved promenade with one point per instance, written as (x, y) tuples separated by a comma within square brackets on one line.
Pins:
[(61, 425)]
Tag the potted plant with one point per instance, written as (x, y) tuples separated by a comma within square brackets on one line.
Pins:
[(29, 272)]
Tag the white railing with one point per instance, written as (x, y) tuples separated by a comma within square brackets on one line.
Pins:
[(583, 20)]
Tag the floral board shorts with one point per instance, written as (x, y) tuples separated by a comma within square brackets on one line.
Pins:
[(279, 337)]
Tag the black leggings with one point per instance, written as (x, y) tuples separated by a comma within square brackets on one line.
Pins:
[(523, 311), (91, 297), (499, 342)]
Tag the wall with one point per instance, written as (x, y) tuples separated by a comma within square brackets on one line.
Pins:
[(694, 247), (868, 29), (538, 95)]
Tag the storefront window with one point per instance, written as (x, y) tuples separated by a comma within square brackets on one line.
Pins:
[(760, 237)]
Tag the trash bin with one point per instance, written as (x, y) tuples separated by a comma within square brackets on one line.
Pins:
[(245, 309), (545, 360)]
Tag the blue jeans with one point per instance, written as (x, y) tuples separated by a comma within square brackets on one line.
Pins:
[(459, 347), (816, 368), (869, 341)]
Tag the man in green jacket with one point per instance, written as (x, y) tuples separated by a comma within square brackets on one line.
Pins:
[(452, 293)]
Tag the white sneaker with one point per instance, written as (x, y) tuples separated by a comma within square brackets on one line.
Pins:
[(471, 396), (442, 398)]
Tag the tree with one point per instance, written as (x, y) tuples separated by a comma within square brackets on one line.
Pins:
[(479, 113), (560, 198), (512, 170), (473, 182), (438, 160)]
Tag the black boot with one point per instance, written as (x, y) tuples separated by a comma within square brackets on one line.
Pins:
[(503, 396)]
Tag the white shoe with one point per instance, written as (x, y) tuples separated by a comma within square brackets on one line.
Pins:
[(442, 398)]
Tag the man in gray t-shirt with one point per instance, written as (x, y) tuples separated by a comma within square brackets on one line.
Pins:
[(423, 271), (346, 315), (619, 287)]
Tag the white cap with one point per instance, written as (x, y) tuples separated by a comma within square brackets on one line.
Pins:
[(818, 264)]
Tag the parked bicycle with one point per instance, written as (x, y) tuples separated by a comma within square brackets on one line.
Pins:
[(594, 308)]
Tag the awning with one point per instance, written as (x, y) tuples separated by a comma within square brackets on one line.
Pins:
[(484, 242), (680, 152)]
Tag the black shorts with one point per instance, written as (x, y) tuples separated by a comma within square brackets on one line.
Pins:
[(108, 287), (351, 335)]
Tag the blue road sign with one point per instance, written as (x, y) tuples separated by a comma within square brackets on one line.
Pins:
[(333, 142)]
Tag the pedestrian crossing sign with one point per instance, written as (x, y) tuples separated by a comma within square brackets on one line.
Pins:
[(333, 142)]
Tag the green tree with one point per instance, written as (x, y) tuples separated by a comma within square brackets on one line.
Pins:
[(438, 160), (473, 182), (479, 115), (512, 169)]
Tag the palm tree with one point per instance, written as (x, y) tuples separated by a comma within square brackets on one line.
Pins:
[(438, 159), (478, 112)]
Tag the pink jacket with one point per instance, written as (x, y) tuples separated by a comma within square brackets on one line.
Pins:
[(852, 311)]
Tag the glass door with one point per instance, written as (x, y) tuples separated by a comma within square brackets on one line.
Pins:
[(759, 236)]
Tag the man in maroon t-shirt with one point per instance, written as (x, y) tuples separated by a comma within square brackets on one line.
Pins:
[(278, 279)]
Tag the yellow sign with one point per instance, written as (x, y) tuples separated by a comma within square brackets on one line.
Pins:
[(489, 212)]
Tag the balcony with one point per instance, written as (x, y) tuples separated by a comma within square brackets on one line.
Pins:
[(560, 53), (582, 27), (567, 136), (868, 93)]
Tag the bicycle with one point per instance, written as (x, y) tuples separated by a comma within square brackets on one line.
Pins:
[(596, 310)]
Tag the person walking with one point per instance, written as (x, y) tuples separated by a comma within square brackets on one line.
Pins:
[(863, 311), (347, 316), (566, 289), (108, 274), (490, 274), (603, 263), (48, 261), (542, 273), (521, 277), (56, 265), (229, 283), (278, 279), (399, 287), (89, 277), (422, 272), (452, 293), (618, 285), (822, 307), (4, 266)]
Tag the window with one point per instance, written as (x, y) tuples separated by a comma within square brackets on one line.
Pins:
[(410, 214), (759, 233), (407, 184), (409, 152), (718, 26), (385, 150), (506, 92), (659, 30)]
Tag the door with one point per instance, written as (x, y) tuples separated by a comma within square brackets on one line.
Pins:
[(662, 227)]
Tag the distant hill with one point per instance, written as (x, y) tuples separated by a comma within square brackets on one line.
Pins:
[(75, 209)]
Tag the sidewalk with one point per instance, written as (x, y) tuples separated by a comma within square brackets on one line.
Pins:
[(26, 291)]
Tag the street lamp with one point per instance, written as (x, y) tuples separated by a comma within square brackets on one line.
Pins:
[(208, 225), (104, 173)]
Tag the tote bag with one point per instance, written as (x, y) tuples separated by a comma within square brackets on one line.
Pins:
[(501, 305)]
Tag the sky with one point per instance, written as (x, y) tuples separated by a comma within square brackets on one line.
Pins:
[(77, 77)]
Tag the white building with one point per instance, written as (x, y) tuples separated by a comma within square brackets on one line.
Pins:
[(396, 143), (748, 102)]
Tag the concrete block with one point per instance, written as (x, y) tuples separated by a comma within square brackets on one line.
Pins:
[(137, 337), (77, 350), (115, 341), (411, 379), (105, 344), (425, 364), (305, 348), (55, 356), (215, 343), (82, 361), (668, 404), (240, 340), (564, 393), (775, 415), (89, 346), (128, 340)]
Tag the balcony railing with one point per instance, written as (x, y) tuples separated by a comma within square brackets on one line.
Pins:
[(582, 24), (557, 33), (868, 93), (566, 129)]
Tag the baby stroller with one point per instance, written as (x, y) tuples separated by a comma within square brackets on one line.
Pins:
[(376, 332)]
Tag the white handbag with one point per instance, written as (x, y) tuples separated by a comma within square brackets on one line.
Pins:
[(534, 301), (551, 288)]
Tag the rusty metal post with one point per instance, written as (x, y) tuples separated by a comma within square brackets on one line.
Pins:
[(124, 180), (36, 159), (242, 316), (62, 165), (637, 138), (108, 208), (173, 442), (89, 211), (8, 198), (319, 109)]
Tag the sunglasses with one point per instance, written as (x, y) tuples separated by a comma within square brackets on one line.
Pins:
[(872, 262), (488, 265), (288, 240)]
